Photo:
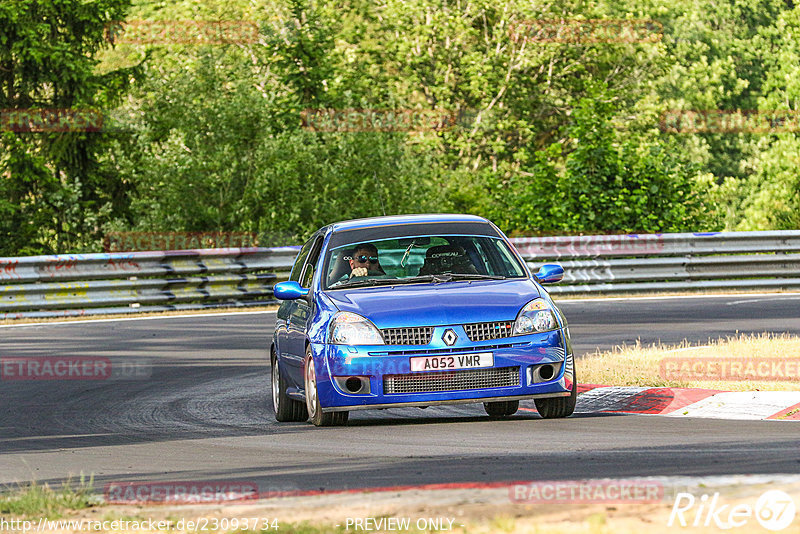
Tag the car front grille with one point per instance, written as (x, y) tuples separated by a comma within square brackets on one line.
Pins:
[(418, 335), (451, 380), (450, 350), (484, 331)]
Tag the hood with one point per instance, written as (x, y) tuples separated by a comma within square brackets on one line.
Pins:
[(437, 304)]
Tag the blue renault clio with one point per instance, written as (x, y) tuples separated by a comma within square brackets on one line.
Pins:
[(417, 310)]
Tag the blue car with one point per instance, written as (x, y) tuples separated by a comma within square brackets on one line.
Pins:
[(417, 310)]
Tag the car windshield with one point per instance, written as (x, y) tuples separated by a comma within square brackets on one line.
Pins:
[(431, 258)]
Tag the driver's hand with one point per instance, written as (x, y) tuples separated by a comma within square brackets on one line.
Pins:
[(359, 271)]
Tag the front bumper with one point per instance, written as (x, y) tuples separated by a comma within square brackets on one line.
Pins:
[(375, 363)]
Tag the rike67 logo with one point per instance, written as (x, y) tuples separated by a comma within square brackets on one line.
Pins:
[(774, 510)]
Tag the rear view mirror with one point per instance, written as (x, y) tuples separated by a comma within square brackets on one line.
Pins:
[(550, 273), (416, 241), (288, 291)]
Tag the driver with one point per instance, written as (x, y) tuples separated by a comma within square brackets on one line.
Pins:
[(364, 261)]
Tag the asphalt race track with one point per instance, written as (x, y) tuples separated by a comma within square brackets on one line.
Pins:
[(204, 413)]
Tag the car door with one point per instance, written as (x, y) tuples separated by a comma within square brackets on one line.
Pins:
[(285, 309), (300, 313)]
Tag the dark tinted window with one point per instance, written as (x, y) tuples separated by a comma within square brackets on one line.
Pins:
[(403, 259), (307, 274), (300, 260), (377, 233)]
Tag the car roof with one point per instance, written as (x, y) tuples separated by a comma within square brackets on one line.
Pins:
[(392, 220), (377, 228)]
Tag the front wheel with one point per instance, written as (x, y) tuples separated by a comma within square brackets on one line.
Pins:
[(557, 407), (501, 408), (312, 398), (286, 409)]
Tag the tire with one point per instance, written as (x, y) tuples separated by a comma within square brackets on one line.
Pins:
[(558, 407), (285, 408), (312, 399), (501, 408)]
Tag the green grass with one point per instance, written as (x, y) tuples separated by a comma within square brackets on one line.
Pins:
[(639, 365), (44, 501)]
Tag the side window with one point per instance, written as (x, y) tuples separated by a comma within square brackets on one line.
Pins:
[(301, 260), (510, 265), (307, 274)]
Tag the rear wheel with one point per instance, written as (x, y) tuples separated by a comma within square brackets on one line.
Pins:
[(557, 407), (312, 398), (501, 408), (286, 409)]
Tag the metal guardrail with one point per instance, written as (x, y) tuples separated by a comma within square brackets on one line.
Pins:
[(129, 282), (668, 262), (83, 284)]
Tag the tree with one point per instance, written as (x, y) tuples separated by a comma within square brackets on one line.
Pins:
[(613, 187), (54, 192)]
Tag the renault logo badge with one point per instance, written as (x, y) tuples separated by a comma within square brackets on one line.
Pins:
[(449, 337)]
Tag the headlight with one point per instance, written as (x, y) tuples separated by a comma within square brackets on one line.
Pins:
[(536, 316), (352, 329)]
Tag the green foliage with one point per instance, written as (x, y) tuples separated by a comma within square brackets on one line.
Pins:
[(605, 185), (35, 500), (553, 137), (220, 147), (54, 192), (769, 194), (610, 187), (592, 174)]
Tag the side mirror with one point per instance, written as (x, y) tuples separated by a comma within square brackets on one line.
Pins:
[(289, 291), (550, 273)]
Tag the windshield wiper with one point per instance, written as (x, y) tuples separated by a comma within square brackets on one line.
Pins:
[(435, 278), (471, 276), (357, 283), (362, 283), (415, 279), (447, 277)]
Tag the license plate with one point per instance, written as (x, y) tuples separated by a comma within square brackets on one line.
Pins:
[(456, 361)]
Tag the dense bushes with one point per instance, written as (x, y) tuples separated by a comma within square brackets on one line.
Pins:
[(552, 137)]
